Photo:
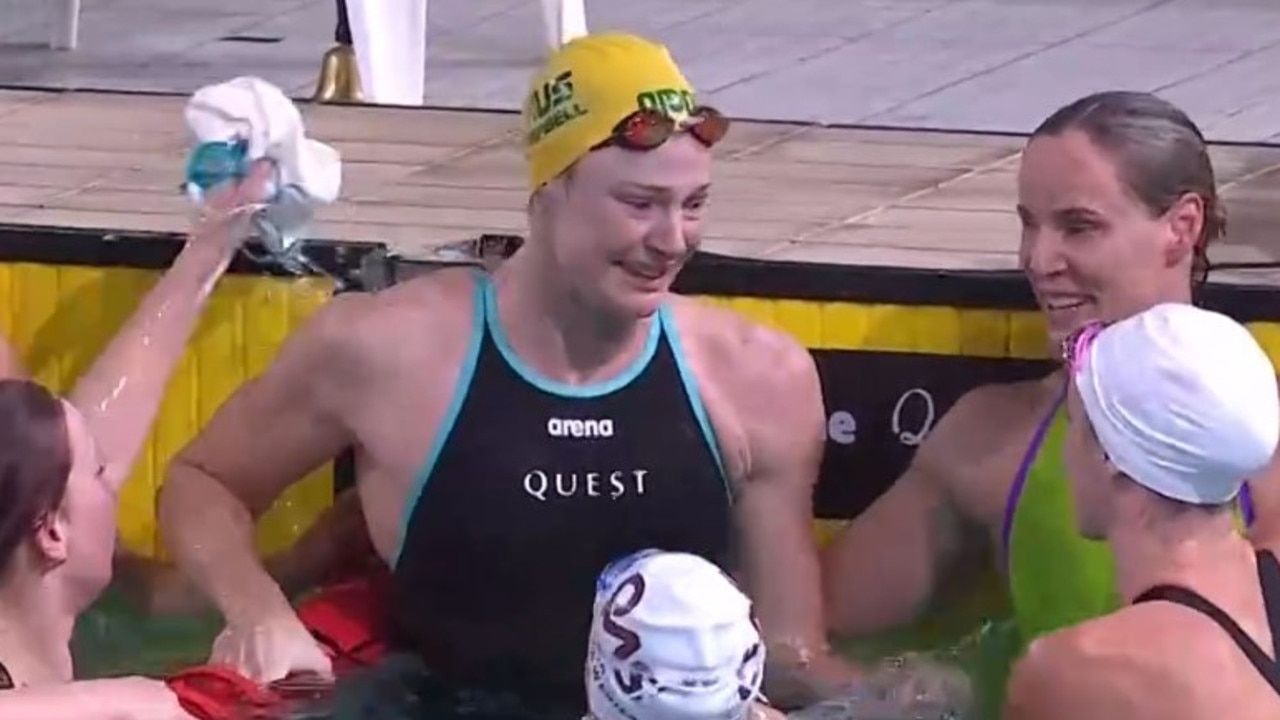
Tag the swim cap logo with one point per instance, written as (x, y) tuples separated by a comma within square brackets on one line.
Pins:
[(551, 106), (633, 588), (667, 101)]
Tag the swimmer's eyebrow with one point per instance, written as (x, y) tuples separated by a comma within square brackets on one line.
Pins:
[(1076, 214), (1064, 215), (663, 190)]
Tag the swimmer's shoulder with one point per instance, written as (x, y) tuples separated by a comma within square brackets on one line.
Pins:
[(736, 346), (990, 421), (427, 315), (759, 385), (1104, 668)]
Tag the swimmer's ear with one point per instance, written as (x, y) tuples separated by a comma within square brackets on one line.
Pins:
[(51, 538), (1186, 218)]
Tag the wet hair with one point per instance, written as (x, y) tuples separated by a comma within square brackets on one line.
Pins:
[(1158, 151), (35, 461)]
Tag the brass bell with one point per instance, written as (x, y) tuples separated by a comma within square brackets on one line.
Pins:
[(339, 77)]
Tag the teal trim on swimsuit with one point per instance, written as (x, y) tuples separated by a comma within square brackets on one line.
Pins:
[(695, 397), (460, 389), (554, 387)]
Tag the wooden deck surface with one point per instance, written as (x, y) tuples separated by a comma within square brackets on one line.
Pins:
[(418, 178)]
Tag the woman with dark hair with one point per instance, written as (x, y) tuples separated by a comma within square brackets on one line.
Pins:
[(1118, 204), (62, 464)]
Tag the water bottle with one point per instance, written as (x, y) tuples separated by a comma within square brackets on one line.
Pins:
[(286, 208)]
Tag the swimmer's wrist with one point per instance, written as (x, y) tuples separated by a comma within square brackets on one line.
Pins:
[(255, 603)]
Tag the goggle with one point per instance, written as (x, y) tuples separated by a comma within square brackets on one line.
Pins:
[(1076, 346), (649, 129)]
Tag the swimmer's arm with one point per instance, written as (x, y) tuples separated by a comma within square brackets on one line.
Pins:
[(336, 540), (115, 699), (11, 366), (268, 435), (121, 392), (785, 426), (882, 569)]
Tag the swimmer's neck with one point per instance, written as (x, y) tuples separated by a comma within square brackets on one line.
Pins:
[(35, 635), (558, 334), (1198, 551)]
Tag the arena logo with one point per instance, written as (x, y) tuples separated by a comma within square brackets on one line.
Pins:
[(580, 428), (911, 420)]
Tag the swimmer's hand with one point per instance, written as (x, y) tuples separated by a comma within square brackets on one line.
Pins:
[(908, 688), (271, 649), (224, 216)]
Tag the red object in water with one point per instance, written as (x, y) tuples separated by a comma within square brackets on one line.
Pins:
[(348, 620), (214, 692)]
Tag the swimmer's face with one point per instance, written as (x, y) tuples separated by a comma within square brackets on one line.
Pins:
[(88, 514), (1087, 470), (627, 221), (1091, 249)]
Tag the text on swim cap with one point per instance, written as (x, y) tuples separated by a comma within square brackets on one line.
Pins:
[(551, 106), (633, 588), (667, 101)]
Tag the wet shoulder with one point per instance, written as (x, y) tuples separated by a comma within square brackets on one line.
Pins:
[(731, 352), (754, 380), (1141, 661), (975, 449), (430, 316)]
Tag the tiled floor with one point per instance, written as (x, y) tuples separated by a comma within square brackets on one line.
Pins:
[(416, 178), (959, 64)]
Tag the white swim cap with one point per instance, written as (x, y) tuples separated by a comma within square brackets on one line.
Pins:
[(1183, 401), (672, 638)]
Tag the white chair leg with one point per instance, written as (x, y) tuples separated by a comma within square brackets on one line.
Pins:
[(64, 24), (390, 40), (563, 20)]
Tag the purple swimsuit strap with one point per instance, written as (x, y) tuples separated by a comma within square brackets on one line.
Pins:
[(1024, 469)]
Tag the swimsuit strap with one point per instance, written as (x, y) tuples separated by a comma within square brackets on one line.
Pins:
[(1269, 574)]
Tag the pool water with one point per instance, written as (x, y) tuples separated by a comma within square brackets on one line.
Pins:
[(112, 639)]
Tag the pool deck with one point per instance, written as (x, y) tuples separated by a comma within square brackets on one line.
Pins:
[(417, 178)]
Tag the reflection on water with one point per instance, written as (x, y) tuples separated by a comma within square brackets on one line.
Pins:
[(112, 640)]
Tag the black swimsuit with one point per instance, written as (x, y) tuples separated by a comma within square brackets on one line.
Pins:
[(1269, 578)]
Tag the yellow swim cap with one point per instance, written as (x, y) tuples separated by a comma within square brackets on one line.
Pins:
[(588, 87)]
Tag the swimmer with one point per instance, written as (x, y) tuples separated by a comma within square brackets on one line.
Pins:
[(1118, 202), (62, 465), (516, 431), (1168, 412), (672, 637)]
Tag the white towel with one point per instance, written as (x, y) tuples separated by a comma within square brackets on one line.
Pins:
[(254, 110)]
